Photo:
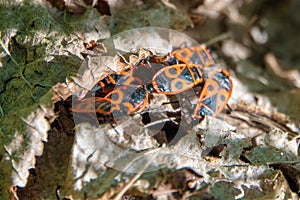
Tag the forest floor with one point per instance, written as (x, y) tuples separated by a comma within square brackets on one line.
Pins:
[(51, 50)]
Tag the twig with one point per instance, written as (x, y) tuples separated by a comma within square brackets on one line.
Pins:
[(218, 38), (131, 182), (172, 119)]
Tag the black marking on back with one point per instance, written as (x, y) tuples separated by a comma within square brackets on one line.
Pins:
[(163, 84), (138, 96), (204, 111), (196, 73), (204, 55), (223, 80), (211, 102), (187, 74), (195, 59)]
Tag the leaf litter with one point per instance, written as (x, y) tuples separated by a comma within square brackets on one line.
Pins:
[(230, 161)]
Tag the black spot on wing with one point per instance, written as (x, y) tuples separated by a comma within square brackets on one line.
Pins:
[(115, 96), (223, 98), (172, 71), (178, 85), (183, 54), (210, 88)]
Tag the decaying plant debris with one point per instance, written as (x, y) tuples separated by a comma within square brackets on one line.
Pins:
[(233, 150), (251, 150)]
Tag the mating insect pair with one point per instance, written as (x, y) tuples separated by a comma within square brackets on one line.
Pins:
[(128, 91)]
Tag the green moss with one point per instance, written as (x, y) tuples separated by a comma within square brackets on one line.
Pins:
[(153, 14), (9, 124), (5, 180), (267, 154), (26, 77), (224, 190)]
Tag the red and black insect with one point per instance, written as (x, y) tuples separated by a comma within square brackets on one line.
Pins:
[(128, 99), (175, 79), (138, 74), (90, 106), (107, 84), (214, 94), (197, 55), (128, 92), (122, 101), (131, 92), (184, 76)]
